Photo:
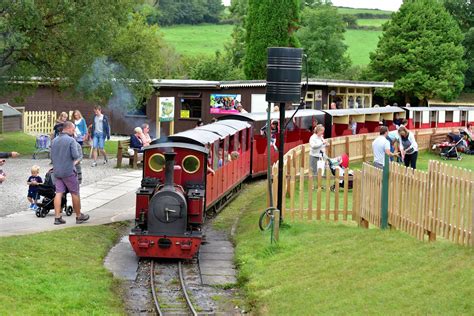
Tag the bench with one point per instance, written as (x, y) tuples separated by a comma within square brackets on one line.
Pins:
[(122, 152), (436, 139)]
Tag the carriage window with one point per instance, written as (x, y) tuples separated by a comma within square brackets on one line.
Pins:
[(215, 156), (191, 108), (226, 152), (156, 162), (244, 140), (237, 136), (191, 164)]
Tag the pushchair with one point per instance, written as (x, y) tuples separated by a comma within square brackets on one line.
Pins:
[(341, 163), (450, 149), (47, 191), (42, 145)]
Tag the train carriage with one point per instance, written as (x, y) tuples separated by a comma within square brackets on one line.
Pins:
[(298, 131)]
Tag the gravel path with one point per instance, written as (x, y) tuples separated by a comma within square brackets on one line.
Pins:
[(14, 190)]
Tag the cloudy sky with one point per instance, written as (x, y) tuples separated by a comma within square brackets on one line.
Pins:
[(390, 5)]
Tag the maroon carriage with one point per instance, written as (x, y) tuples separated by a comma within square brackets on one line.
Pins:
[(298, 132)]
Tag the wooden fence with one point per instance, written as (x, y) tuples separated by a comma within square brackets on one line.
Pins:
[(39, 122), (310, 197), (439, 202)]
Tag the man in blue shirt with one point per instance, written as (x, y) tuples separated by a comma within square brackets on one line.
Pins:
[(65, 155)]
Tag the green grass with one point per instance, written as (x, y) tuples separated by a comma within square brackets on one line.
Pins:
[(25, 144), (371, 22), (59, 273), (356, 11), (195, 40), (326, 268), (360, 43)]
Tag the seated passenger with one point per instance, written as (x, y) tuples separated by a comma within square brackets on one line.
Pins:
[(145, 136), (135, 141)]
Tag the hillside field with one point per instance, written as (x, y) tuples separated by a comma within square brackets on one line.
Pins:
[(356, 11), (194, 40), (371, 22)]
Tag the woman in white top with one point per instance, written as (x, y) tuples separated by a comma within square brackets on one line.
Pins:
[(317, 145), (408, 147)]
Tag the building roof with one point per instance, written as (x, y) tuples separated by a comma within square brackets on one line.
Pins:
[(8, 111), (262, 116), (311, 82)]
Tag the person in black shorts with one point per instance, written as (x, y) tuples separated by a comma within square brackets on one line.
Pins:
[(33, 181)]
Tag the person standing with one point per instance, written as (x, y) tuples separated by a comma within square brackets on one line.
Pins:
[(100, 132), (408, 147), (317, 147), (381, 147), (81, 127), (58, 127), (33, 182), (64, 154)]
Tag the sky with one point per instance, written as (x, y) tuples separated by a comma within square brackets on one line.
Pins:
[(390, 5)]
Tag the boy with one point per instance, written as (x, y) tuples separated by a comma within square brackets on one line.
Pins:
[(33, 181)]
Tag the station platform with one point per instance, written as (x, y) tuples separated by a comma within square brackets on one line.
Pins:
[(106, 201)]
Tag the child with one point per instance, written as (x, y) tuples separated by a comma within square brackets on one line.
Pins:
[(33, 181), (274, 133)]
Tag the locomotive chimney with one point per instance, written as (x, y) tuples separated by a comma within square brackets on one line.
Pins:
[(169, 168)]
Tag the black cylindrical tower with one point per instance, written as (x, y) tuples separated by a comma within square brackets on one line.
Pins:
[(284, 74), (169, 169)]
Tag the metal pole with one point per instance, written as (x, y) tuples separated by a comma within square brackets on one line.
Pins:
[(384, 208), (269, 154), (280, 158)]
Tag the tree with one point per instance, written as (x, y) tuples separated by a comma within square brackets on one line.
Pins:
[(236, 48), (215, 68), (64, 40), (420, 50), (322, 37), (463, 13), (269, 23), (189, 11)]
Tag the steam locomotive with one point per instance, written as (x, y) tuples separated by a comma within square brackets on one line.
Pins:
[(196, 172)]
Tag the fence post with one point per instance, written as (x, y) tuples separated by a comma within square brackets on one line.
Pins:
[(384, 206), (276, 226), (364, 147)]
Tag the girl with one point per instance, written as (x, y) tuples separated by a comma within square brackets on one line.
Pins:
[(81, 127)]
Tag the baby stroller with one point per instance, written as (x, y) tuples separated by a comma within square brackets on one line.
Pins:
[(43, 145), (450, 150), (47, 191), (341, 163)]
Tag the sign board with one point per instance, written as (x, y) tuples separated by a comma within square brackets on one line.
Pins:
[(318, 95), (224, 103), (166, 109)]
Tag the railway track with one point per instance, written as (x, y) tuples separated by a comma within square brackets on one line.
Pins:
[(169, 290)]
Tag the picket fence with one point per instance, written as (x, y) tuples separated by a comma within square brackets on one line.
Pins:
[(39, 122), (425, 204)]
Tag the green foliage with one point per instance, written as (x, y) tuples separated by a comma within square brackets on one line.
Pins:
[(463, 13), (189, 11), (350, 21), (321, 36), (269, 23), (67, 40), (218, 67), (236, 48), (420, 50), (44, 275)]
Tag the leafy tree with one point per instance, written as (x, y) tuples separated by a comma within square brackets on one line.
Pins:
[(269, 23), (72, 40), (215, 68), (463, 13), (420, 50), (322, 37), (189, 11), (236, 48), (350, 20)]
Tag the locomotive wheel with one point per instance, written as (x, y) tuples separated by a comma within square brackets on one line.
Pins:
[(69, 210), (266, 219)]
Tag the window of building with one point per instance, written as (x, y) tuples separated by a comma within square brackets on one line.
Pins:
[(191, 108), (139, 109)]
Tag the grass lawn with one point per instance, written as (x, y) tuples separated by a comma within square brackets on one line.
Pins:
[(193, 40), (371, 22), (25, 144), (360, 43), (59, 273), (327, 268)]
